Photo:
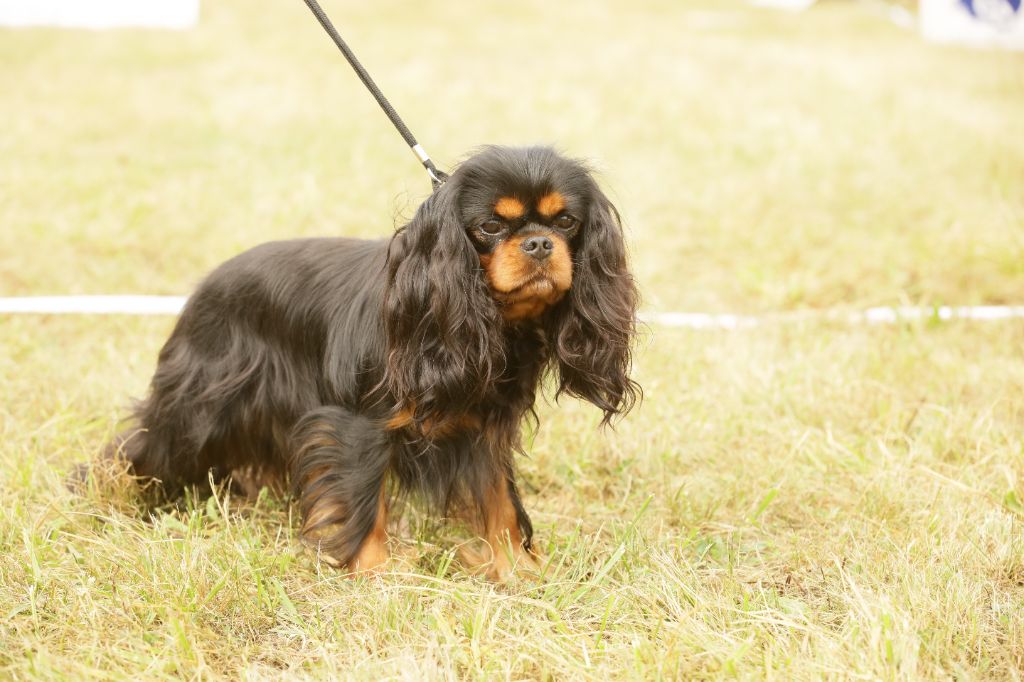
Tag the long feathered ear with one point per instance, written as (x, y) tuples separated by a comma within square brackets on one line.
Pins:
[(442, 329), (593, 333)]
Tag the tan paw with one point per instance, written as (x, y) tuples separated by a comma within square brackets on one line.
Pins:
[(372, 557), (503, 565)]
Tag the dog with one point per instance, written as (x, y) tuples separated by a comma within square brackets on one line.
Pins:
[(361, 370)]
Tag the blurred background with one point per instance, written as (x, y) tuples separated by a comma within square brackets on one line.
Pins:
[(801, 500), (762, 159)]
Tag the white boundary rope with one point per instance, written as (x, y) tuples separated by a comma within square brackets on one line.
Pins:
[(172, 305), (878, 315), (93, 305)]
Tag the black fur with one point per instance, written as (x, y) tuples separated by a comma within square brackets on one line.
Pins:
[(300, 359)]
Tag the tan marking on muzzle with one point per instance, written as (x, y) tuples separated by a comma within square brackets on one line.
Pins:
[(521, 285)]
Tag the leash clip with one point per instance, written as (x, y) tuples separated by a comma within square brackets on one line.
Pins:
[(437, 178)]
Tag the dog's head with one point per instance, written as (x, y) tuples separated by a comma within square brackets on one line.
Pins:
[(517, 239), (523, 211)]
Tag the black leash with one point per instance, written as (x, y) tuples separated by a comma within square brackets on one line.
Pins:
[(437, 178)]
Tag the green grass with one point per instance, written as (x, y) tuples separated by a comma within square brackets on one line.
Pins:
[(798, 501)]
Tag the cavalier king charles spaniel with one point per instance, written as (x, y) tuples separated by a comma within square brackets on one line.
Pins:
[(362, 370)]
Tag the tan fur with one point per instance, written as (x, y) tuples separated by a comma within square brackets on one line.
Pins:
[(551, 204), (251, 479), (433, 428), (373, 554), (509, 208), (514, 281), (503, 543)]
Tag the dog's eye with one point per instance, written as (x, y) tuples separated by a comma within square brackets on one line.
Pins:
[(492, 227), (565, 222)]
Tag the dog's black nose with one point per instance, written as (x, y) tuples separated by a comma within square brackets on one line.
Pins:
[(538, 247)]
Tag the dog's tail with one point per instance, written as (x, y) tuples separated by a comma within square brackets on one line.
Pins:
[(119, 459), (134, 453)]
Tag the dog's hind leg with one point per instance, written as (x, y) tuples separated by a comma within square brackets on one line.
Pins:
[(200, 416), (339, 465)]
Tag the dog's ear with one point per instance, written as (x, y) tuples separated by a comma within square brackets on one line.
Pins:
[(593, 332), (442, 329)]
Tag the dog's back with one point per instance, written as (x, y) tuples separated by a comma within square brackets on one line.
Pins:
[(267, 336)]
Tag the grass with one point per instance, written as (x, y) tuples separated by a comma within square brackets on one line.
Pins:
[(798, 501)]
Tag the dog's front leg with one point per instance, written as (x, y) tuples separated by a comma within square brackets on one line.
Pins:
[(505, 528)]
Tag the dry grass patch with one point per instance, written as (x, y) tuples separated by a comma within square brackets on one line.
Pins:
[(799, 501)]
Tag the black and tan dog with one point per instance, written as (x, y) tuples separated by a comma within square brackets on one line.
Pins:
[(357, 370)]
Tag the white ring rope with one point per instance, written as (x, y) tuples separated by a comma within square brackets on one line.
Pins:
[(93, 305), (877, 315), (172, 305)]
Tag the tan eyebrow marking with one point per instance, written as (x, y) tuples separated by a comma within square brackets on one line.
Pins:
[(550, 204), (509, 208)]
